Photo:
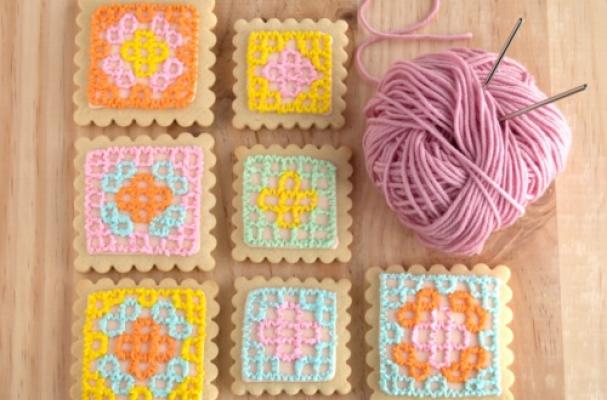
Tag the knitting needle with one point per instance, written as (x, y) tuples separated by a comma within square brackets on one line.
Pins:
[(542, 103), (497, 63)]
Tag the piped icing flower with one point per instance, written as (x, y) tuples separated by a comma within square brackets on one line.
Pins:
[(143, 56)]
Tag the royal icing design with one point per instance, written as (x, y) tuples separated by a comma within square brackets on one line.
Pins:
[(438, 335), (143, 200), (289, 335), (143, 56), (289, 202), (142, 343), (289, 72)]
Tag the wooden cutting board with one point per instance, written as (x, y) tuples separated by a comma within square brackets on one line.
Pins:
[(553, 251)]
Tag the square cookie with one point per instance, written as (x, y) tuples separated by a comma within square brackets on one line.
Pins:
[(292, 203), (290, 73), (144, 203), (139, 62), (145, 341), (290, 336), (438, 333)]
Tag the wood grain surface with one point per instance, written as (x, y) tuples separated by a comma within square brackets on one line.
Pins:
[(556, 251)]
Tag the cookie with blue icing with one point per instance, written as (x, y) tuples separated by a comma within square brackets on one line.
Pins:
[(439, 333)]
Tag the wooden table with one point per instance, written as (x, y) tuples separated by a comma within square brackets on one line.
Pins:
[(556, 251)]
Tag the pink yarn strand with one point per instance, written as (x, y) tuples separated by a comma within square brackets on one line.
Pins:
[(402, 34), (435, 146)]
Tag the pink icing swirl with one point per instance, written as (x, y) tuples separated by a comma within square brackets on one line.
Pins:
[(440, 341), (290, 72), (288, 332), (121, 71)]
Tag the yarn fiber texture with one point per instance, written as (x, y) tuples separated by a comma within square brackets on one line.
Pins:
[(447, 166)]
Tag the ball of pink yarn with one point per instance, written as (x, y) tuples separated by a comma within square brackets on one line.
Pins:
[(447, 166)]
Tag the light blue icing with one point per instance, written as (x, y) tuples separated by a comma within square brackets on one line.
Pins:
[(114, 323), (109, 368), (392, 380), (258, 366), (120, 223)]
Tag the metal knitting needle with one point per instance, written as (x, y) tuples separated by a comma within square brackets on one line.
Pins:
[(542, 103), (517, 26)]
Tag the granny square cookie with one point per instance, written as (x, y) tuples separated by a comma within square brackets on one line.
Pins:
[(290, 336), (289, 73), (140, 61), (292, 203), (145, 341), (145, 202), (438, 333)]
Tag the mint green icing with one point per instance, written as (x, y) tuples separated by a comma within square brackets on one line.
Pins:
[(256, 221)]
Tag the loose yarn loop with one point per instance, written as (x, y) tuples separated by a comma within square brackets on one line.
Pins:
[(447, 166)]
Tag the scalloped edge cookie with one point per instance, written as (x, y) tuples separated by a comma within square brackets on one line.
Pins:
[(500, 272), (199, 111), (339, 384), (340, 157), (123, 263), (243, 117), (86, 287)]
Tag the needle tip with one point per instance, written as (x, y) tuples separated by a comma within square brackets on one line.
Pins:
[(549, 100)]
